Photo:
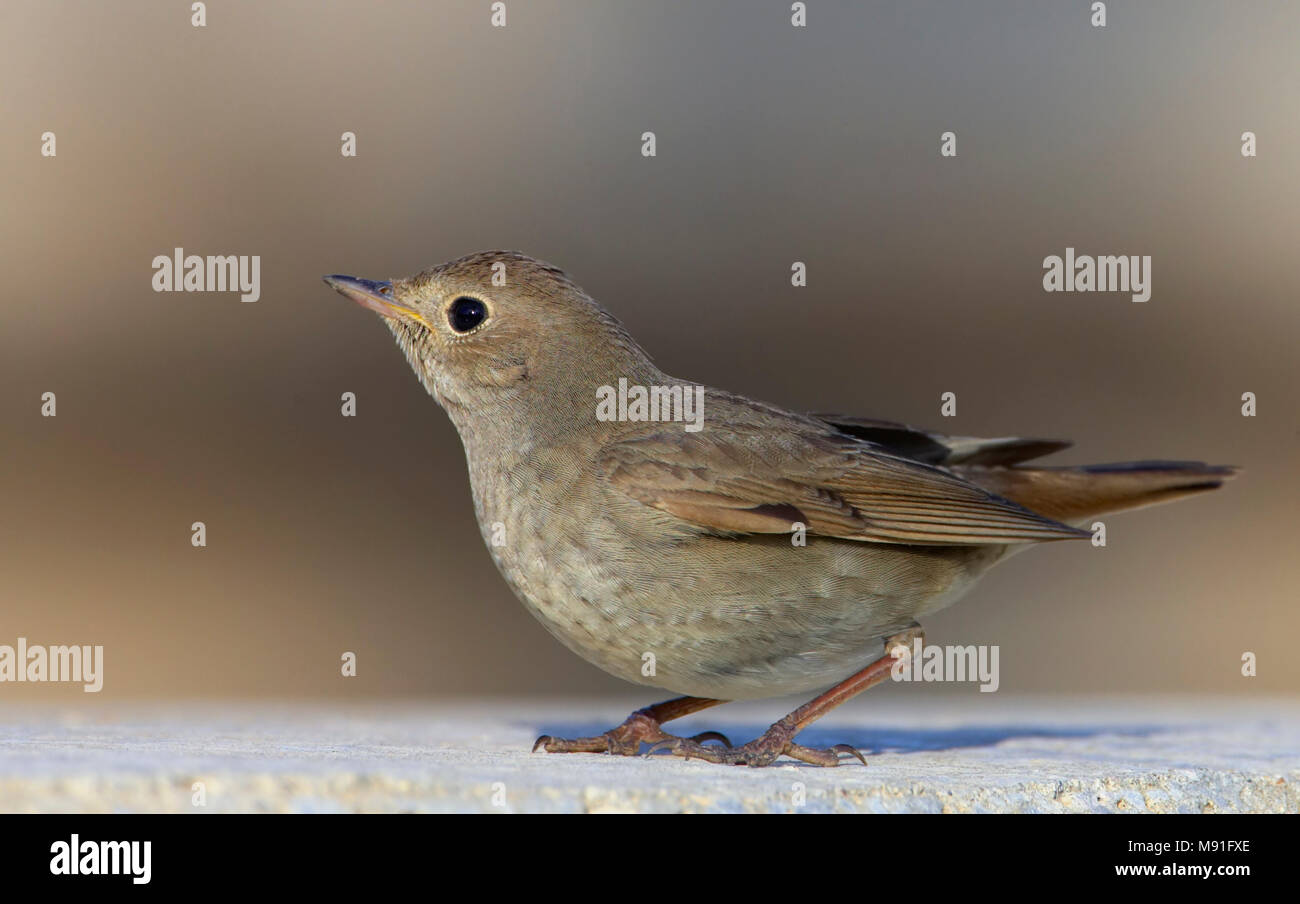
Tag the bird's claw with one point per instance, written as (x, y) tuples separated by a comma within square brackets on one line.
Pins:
[(671, 742), (625, 740), (761, 752)]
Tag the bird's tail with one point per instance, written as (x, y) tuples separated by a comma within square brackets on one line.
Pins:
[(1074, 494)]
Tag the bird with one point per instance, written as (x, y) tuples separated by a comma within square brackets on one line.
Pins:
[(663, 545)]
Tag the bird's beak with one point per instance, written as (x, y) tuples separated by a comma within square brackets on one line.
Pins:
[(377, 296)]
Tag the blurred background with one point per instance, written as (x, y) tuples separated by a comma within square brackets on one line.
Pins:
[(774, 144)]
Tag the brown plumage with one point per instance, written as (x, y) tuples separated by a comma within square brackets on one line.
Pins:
[(631, 539), (1066, 494)]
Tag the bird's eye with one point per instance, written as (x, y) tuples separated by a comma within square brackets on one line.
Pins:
[(466, 313)]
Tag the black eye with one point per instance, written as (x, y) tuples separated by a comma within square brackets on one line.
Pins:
[(466, 313)]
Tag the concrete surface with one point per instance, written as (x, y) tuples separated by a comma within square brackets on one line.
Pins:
[(969, 754)]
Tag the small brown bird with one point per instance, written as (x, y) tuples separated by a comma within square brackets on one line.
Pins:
[(643, 519)]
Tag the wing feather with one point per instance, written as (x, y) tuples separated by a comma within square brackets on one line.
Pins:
[(763, 482)]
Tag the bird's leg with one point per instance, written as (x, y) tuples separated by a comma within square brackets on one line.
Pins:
[(642, 725), (779, 739)]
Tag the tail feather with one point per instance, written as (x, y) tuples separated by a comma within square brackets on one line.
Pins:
[(1073, 494)]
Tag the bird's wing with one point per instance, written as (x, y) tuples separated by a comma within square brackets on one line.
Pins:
[(763, 478), (940, 449)]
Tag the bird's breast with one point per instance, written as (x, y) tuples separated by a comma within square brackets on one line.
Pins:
[(652, 600)]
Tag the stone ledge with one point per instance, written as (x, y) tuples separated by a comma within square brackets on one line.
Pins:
[(947, 755)]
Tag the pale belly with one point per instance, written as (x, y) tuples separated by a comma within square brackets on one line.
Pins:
[(714, 617)]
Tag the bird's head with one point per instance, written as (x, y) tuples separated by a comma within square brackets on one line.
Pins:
[(498, 334)]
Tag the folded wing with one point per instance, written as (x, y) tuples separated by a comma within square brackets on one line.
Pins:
[(747, 479), (939, 448)]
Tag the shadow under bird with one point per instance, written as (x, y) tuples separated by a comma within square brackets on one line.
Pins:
[(628, 537)]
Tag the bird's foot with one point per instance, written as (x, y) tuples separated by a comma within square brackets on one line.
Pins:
[(626, 739), (777, 741)]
